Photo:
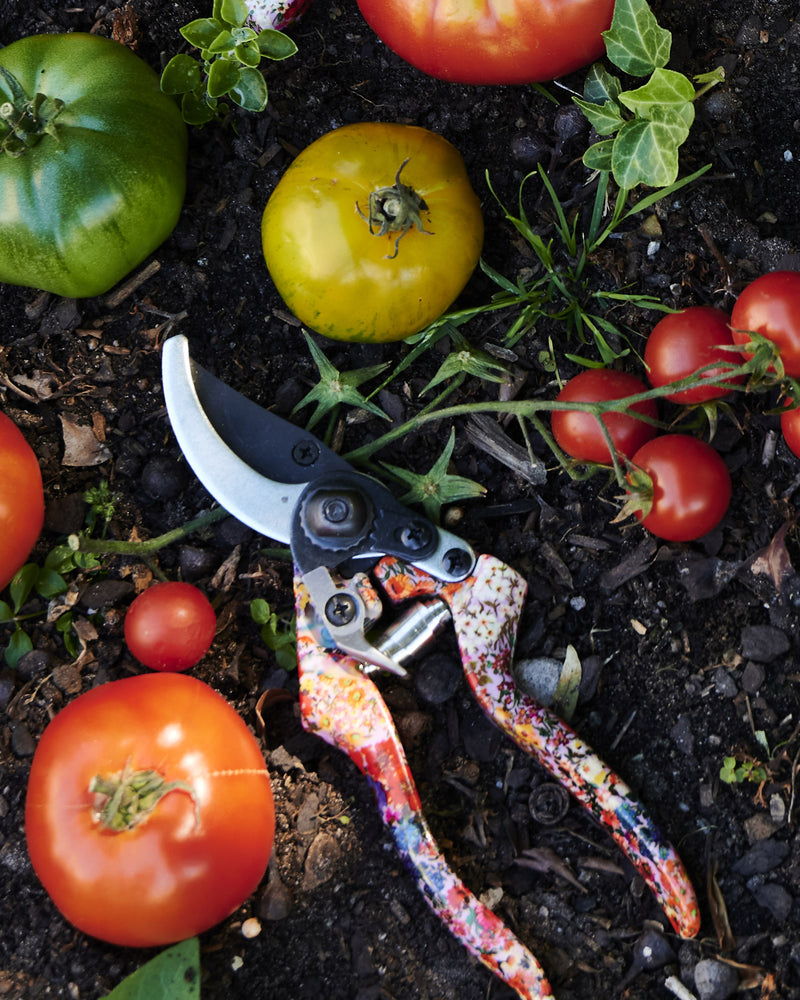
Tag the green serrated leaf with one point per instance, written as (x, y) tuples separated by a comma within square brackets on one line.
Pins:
[(605, 118), (172, 975), (181, 75), (202, 32), (223, 76), (635, 42), (276, 45), (250, 91), (600, 85), (664, 89)]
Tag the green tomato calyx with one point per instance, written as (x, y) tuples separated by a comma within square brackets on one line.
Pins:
[(395, 209), (126, 799), (24, 121)]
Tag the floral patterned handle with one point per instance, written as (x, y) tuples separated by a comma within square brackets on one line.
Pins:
[(342, 705), (485, 610)]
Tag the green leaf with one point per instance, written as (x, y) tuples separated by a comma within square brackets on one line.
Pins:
[(467, 360), (259, 611), (6, 614), (599, 156), (172, 975), (50, 584), (196, 110), (22, 585), (635, 42), (235, 12), (181, 75), (250, 91), (664, 89), (600, 85), (605, 118), (646, 151), (248, 54), (276, 45), (19, 644), (223, 76), (224, 42), (203, 32)]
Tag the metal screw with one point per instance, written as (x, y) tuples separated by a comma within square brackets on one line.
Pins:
[(335, 510), (457, 562), (415, 536), (340, 609), (305, 452)]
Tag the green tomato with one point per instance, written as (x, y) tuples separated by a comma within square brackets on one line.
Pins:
[(92, 163)]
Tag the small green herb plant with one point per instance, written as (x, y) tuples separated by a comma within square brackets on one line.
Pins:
[(278, 635), (643, 127), (230, 56), (735, 770)]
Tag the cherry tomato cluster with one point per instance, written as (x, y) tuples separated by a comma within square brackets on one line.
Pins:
[(680, 485)]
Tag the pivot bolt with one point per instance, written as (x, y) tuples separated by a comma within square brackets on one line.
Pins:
[(457, 562), (305, 452)]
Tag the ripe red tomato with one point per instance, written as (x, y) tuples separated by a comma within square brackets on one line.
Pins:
[(579, 433), (790, 428), (486, 41), (170, 626), (682, 342), (184, 866), (21, 499), (691, 487), (770, 305)]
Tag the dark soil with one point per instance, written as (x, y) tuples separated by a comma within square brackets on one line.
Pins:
[(691, 648)]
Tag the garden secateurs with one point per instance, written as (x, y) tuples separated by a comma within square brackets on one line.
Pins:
[(351, 541)]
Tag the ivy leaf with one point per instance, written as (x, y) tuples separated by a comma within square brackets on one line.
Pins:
[(172, 975), (437, 487), (605, 118), (635, 41), (646, 151), (599, 156), (600, 85), (664, 89)]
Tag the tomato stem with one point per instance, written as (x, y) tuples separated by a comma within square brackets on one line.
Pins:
[(128, 798), (23, 121), (395, 209)]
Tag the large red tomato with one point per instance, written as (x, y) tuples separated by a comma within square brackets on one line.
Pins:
[(770, 305), (21, 499), (683, 342), (156, 869), (579, 434), (492, 41)]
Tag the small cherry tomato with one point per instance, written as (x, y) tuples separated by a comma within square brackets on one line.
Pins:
[(21, 499), (149, 814), (170, 626), (682, 342), (372, 232), (770, 305), (790, 428), (579, 434), (691, 487)]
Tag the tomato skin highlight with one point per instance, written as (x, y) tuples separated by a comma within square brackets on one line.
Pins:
[(770, 305), (196, 858), (682, 342), (21, 500), (579, 434), (336, 276), (170, 626), (691, 487), (81, 208), (492, 41)]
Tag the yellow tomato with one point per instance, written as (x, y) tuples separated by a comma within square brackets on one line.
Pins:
[(372, 232)]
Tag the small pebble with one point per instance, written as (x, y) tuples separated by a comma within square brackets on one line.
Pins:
[(764, 643), (724, 684), (437, 678), (251, 927), (762, 857), (163, 478), (753, 677), (775, 898), (715, 980)]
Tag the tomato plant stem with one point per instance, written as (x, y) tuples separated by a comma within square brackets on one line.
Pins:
[(103, 546)]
